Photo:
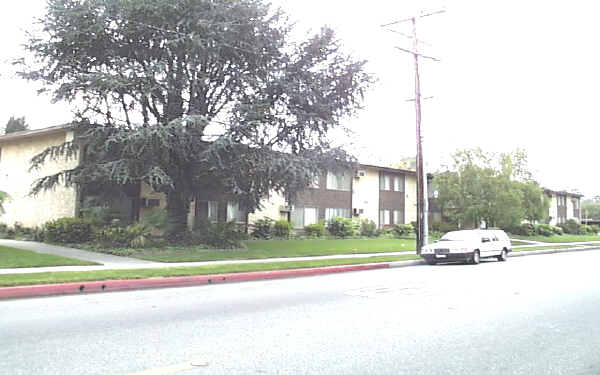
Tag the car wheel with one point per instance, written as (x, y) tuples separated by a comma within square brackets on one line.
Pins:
[(475, 258), (431, 262), (503, 255)]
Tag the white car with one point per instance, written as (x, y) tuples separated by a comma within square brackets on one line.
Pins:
[(468, 246)]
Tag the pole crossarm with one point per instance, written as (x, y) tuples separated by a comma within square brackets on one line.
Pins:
[(418, 54), (422, 15), (422, 97)]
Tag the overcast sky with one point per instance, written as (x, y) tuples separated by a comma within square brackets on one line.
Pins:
[(512, 74)]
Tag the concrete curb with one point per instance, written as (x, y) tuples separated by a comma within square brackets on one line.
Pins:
[(170, 282)]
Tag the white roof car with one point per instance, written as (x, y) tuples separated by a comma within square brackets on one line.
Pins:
[(468, 246)]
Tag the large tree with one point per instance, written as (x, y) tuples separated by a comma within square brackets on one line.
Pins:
[(496, 189), (590, 210), (15, 125), (186, 95)]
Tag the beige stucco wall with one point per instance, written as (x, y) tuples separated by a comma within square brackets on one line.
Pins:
[(270, 208), (365, 194), (147, 192), (553, 210), (16, 180), (410, 205)]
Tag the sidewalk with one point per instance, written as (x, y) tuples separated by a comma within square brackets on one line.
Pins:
[(115, 262)]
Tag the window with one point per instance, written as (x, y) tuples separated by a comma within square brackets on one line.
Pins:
[(234, 213), (385, 182), (336, 212), (310, 215), (303, 216), (397, 217), (384, 217), (212, 213), (562, 200), (399, 183), (314, 183), (338, 181)]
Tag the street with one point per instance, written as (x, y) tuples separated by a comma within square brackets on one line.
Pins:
[(529, 315)]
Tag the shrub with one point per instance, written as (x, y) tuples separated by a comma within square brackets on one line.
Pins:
[(402, 229), (525, 229), (340, 226), (586, 229), (68, 230), (544, 230), (263, 228), (368, 228), (571, 227), (315, 230), (221, 235), (556, 230), (156, 219), (134, 235), (283, 228), (441, 226)]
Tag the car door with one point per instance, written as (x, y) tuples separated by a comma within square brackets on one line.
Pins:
[(487, 247)]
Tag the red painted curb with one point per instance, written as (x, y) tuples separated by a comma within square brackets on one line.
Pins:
[(169, 282)]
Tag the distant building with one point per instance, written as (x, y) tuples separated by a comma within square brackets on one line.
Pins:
[(563, 206)]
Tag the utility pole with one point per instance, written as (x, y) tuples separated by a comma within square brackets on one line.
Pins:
[(422, 196)]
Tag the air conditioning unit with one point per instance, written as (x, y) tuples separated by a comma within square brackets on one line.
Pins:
[(358, 211), (360, 173)]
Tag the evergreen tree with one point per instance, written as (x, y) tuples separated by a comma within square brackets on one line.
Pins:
[(15, 125), (189, 95)]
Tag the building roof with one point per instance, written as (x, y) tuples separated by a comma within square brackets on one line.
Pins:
[(562, 192), (35, 132), (396, 170)]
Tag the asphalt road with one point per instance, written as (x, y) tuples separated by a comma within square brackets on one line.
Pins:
[(529, 315)]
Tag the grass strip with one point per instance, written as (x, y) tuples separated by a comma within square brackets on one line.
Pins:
[(66, 277), (11, 257), (259, 249), (559, 239), (544, 248)]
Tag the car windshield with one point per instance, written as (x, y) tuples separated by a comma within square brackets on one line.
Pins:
[(457, 236)]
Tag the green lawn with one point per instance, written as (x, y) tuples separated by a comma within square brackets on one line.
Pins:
[(518, 243), (559, 239), (17, 258), (64, 277), (279, 249)]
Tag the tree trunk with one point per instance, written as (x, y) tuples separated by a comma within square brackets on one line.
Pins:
[(177, 212)]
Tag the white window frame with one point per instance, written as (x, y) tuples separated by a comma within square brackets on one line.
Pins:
[(338, 181), (234, 212), (315, 183), (212, 211), (384, 217), (331, 212), (396, 216), (398, 180)]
